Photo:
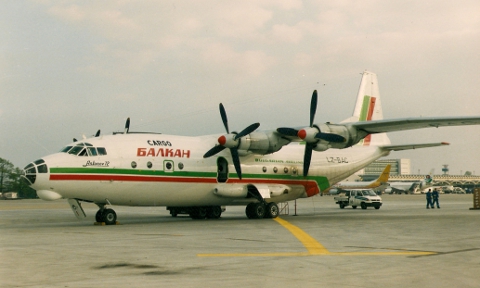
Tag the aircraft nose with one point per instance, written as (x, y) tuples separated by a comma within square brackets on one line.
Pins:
[(30, 171)]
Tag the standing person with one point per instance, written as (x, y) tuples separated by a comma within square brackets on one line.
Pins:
[(435, 198), (429, 199)]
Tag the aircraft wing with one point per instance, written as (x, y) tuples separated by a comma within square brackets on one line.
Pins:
[(412, 146), (381, 126)]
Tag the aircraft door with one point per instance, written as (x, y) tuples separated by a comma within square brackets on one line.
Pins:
[(222, 170)]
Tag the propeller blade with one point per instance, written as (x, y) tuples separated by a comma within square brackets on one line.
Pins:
[(313, 107), (127, 125), (98, 133), (287, 131), (224, 117), (307, 157), (330, 137), (247, 130), (236, 162), (213, 151)]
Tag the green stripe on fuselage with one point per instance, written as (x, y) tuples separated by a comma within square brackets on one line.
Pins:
[(322, 181)]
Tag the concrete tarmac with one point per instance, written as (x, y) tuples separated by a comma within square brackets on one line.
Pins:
[(401, 245)]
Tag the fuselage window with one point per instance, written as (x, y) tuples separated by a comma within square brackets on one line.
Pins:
[(101, 151), (42, 168)]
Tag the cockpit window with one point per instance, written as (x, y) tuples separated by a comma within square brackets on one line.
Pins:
[(84, 149), (92, 151), (65, 150), (75, 150)]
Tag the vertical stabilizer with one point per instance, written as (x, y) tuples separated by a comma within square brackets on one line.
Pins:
[(369, 107)]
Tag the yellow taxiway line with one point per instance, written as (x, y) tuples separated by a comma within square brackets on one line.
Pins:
[(314, 248)]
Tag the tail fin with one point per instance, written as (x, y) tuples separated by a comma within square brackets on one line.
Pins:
[(383, 178), (369, 107), (385, 174)]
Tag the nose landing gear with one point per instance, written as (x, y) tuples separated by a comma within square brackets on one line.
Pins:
[(106, 215)]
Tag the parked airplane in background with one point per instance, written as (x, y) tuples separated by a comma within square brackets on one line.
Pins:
[(194, 174), (410, 187), (379, 184)]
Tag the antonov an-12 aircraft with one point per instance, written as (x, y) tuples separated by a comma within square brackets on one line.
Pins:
[(200, 175)]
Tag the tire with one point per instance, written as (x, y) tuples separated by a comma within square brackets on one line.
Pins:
[(341, 205), (109, 217), (354, 207), (99, 216), (271, 210), (198, 213), (377, 207), (214, 212), (363, 205), (255, 210), (249, 210)]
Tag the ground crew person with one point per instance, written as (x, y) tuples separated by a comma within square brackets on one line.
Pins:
[(429, 199), (435, 198)]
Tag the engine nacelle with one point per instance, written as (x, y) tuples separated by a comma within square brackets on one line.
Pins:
[(352, 136), (231, 190), (262, 142)]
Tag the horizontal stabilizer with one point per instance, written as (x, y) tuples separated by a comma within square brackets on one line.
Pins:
[(412, 146)]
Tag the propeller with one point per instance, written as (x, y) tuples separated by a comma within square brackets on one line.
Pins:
[(231, 141), (311, 135)]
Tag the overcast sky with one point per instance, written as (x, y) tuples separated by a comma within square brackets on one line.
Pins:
[(69, 68)]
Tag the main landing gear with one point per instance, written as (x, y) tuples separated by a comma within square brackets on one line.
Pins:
[(106, 215), (258, 210)]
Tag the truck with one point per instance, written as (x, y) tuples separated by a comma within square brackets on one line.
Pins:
[(359, 197)]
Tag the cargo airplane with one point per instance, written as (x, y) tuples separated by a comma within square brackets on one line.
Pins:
[(200, 175)]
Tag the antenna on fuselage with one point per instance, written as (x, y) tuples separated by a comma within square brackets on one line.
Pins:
[(127, 126), (98, 133)]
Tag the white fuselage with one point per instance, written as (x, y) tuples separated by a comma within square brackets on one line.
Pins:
[(167, 170)]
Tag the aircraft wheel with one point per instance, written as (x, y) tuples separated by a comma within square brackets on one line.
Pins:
[(109, 217), (259, 210), (341, 205), (249, 210), (272, 210), (99, 216), (354, 207), (198, 213), (214, 212), (363, 205)]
